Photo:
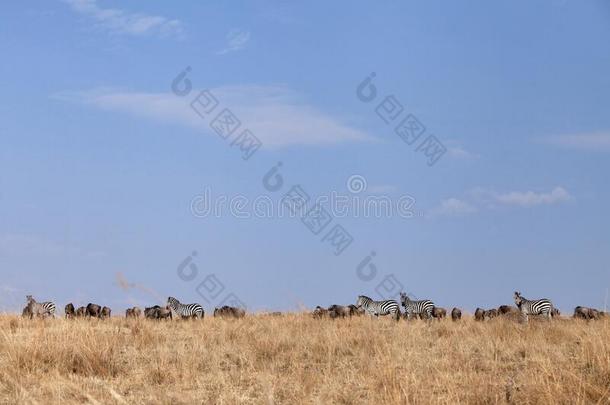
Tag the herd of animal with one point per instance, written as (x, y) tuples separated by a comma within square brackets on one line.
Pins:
[(422, 309), (425, 309)]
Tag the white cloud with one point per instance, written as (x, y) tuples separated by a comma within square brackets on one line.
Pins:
[(480, 199), (123, 22), (453, 207), (236, 40), (596, 141), (274, 114), (532, 198), (456, 151)]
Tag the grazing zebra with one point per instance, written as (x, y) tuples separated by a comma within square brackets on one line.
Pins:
[(423, 307), (386, 307), (39, 308), (185, 310), (533, 307)]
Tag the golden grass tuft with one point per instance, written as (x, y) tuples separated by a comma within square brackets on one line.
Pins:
[(295, 359)]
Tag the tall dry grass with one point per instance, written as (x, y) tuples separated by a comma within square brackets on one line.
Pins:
[(295, 359)]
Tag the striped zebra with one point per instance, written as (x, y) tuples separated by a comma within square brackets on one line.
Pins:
[(533, 307), (39, 308), (386, 307), (423, 308), (185, 310)]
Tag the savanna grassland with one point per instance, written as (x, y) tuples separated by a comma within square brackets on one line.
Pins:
[(295, 359)]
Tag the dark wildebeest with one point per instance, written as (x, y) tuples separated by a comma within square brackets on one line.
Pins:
[(585, 313), (164, 313), (157, 312), (355, 311), (320, 312), (69, 311), (456, 314), (229, 312), (105, 313), (134, 312), (478, 314), (508, 309), (27, 312), (338, 311), (151, 312), (439, 313), (94, 310), (490, 313), (81, 312)]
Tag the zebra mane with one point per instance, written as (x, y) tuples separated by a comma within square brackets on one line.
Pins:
[(364, 296)]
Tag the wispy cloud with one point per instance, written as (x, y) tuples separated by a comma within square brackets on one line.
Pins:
[(480, 199), (594, 141), (236, 40), (275, 114), (457, 151), (123, 22), (453, 207), (532, 198)]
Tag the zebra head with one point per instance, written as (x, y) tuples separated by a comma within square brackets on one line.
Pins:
[(29, 299), (362, 299), (518, 299), (404, 298)]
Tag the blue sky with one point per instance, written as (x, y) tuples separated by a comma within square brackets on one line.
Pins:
[(100, 161)]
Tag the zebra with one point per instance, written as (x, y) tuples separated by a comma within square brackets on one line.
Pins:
[(386, 307), (185, 310), (533, 307), (422, 308), (39, 308)]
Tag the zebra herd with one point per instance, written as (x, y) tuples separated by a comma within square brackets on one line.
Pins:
[(423, 309), (173, 308)]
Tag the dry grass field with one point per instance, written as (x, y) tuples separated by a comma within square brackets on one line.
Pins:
[(295, 359)]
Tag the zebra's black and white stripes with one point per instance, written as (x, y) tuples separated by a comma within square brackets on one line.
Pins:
[(185, 310), (43, 309), (386, 307), (533, 307), (421, 307)]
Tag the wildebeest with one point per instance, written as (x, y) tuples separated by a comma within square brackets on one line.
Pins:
[(456, 314), (355, 311), (81, 312), (490, 313), (94, 310), (229, 312), (588, 313), (157, 312), (478, 314), (339, 311), (320, 312), (134, 312), (69, 311), (26, 313), (508, 309), (439, 313), (105, 313)]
